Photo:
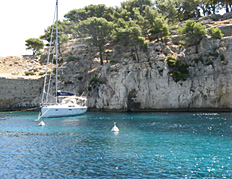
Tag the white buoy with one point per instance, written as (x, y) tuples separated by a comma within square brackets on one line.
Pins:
[(41, 123), (115, 128)]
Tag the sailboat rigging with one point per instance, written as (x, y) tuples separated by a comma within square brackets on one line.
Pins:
[(61, 103)]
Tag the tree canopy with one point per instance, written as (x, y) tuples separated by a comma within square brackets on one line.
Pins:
[(100, 10), (62, 34), (99, 29), (128, 33), (215, 33), (147, 13), (34, 44), (144, 19), (159, 28), (192, 33)]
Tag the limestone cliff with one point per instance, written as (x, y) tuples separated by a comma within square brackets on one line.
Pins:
[(147, 85), (125, 84)]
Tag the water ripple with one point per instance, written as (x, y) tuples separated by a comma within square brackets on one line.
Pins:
[(149, 145)]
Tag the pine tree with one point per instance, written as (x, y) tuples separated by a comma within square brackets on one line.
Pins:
[(192, 33)]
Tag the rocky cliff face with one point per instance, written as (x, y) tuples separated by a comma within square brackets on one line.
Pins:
[(125, 84), (129, 85), (147, 85)]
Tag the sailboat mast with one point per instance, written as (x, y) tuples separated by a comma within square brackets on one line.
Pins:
[(56, 48)]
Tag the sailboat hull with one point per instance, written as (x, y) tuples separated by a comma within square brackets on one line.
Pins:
[(61, 111)]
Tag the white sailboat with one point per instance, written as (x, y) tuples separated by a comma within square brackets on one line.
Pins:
[(60, 103)]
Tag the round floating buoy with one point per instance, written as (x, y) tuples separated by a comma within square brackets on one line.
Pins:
[(115, 128), (41, 123)]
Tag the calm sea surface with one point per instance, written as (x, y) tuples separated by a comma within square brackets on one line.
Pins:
[(149, 145)]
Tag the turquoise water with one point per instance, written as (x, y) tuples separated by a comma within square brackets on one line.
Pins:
[(149, 145)]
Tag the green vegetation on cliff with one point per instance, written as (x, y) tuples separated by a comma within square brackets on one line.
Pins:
[(99, 29), (34, 44), (192, 33), (136, 23), (215, 33), (149, 20), (178, 70)]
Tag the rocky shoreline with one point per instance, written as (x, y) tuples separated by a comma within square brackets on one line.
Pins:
[(206, 110)]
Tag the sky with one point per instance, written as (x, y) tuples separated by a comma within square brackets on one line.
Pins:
[(24, 19)]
